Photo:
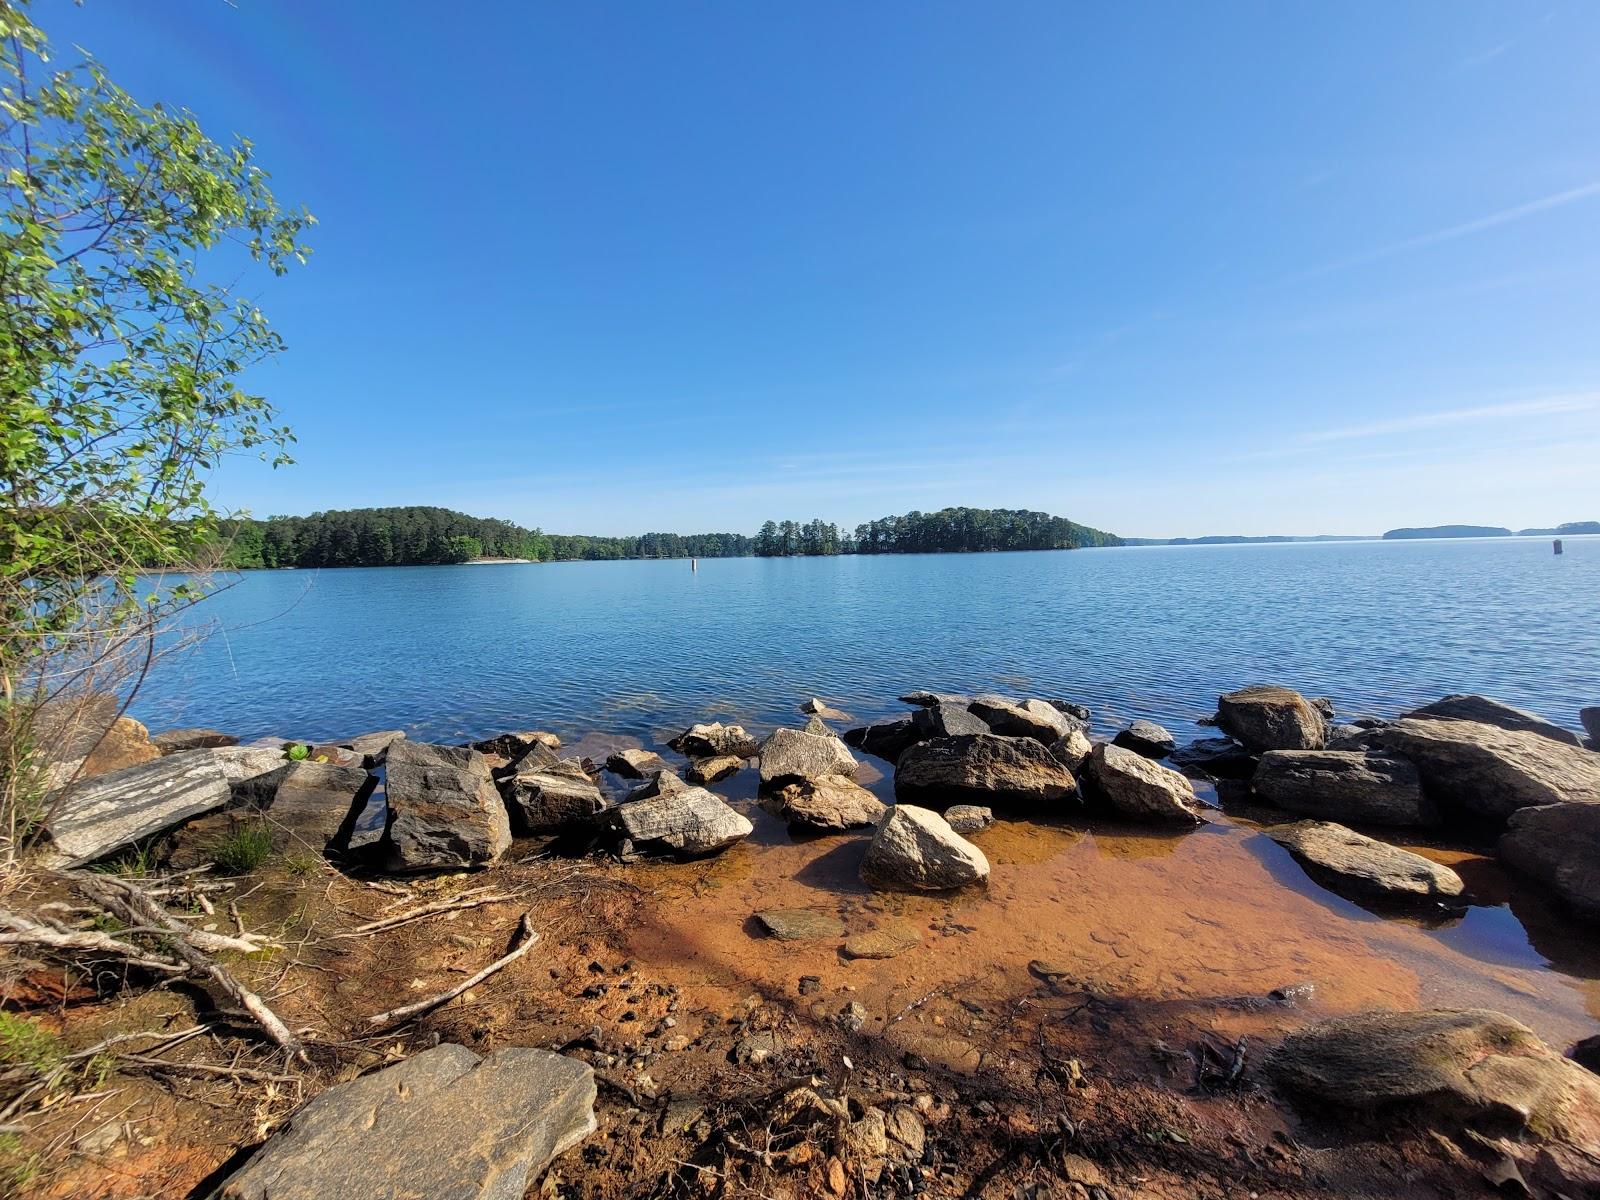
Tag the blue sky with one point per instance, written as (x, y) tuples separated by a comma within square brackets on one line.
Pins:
[(1167, 269)]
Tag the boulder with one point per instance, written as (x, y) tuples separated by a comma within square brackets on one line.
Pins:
[(1221, 758), (714, 740), (821, 708), (709, 770), (1139, 788), (310, 805), (635, 763), (373, 747), (969, 818), (1072, 750), (338, 756), (444, 1124), (916, 848), (800, 924), (1078, 712), (1364, 867), (126, 743), (1586, 1053), (1345, 785), (1146, 738), (687, 823), (923, 699), (545, 794), (444, 811), (1492, 771), (1352, 737), (662, 783), (817, 727), (945, 720), (515, 744), (1021, 718), (94, 817), (1456, 1068), (984, 769), (1485, 711), (885, 739), (1559, 845), (792, 754), (174, 741), (67, 728), (829, 804), (1271, 718), (1590, 719), (241, 764)]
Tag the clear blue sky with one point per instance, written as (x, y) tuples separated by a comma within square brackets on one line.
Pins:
[(1167, 269)]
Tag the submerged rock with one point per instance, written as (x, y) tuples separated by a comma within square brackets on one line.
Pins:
[(1221, 758), (444, 811), (1146, 738), (685, 823), (1021, 718), (95, 817), (969, 818), (513, 745), (793, 754), (715, 740), (1267, 717), (831, 803), (1559, 845), (1493, 771), (709, 770), (889, 940), (1343, 785), (1139, 788), (635, 763), (916, 848), (821, 708), (444, 1124), (946, 720), (801, 924), (885, 739), (1485, 711), (1363, 866), (545, 794), (984, 769)]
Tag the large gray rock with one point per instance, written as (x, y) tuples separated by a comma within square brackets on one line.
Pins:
[(94, 817), (1364, 867), (714, 740), (801, 924), (241, 764), (884, 739), (445, 1125), (984, 769), (924, 699), (793, 754), (1492, 712), (636, 763), (1590, 719), (310, 805), (685, 823), (1021, 718), (546, 794), (946, 720), (1221, 758), (916, 848), (1139, 788), (1271, 718), (373, 747), (1493, 771), (1559, 845), (1072, 749), (830, 804), (1345, 785), (1146, 738), (709, 770), (444, 811), (175, 741), (1453, 1069)]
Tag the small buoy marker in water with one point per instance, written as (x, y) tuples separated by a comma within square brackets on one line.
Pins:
[(694, 563), (1558, 545)]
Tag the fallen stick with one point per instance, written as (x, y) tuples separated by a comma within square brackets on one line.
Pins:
[(526, 938), (427, 910), (17, 930), (161, 1064)]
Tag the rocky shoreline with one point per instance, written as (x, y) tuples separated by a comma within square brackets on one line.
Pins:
[(380, 806)]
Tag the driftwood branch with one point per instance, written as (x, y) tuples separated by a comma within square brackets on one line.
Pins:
[(427, 910), (17, 930), (525, 939)]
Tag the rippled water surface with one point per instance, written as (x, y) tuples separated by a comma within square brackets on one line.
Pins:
[(643, 648)]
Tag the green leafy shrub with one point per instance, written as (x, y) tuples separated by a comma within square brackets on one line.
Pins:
[(299, 752), (24, 1044)]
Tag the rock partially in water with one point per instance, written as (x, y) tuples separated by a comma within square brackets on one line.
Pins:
[(635, 763), (445, 1124), (801, 924), (1345, 785), (95, 817), (1221, 758), (686, 823), (945, 720), (1361, 866), (984, 769), (1267, 717), (1021, 718), (714, 740), (374, 747), (793, 754), (444, 811), (1590, 719), (174, 741), (889, 940), (884, 739), (1492, 771), (545, 794), (1078, 712), (1139, 788), (1473, 1069), (513, 745), (916, 848), (923, 699), (969, 818), (662, 783), (1072, 750), (709, 770), (830, 804), (1146, 738), (1559, 845), (1485, 711), (821, 708)]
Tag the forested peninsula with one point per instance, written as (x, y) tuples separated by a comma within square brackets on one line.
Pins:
[(383, 537)]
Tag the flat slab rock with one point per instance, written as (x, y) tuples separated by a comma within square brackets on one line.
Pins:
[(445, 1125), (1493, 712), (1021, 718), (984, 769), (635, 763), (1345, 785), (709, 770), (916, 848), (713, 740), (687, 823), (1492, 771), (95, 817), (1141, 789), (1365, 866), (801, 924), (795, 754), (888, 940)]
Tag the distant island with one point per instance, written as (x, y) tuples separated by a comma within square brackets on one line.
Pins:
[(417, 536), (1570, 529), (1234, 539)]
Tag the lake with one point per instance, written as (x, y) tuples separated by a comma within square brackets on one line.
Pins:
[(643, 649)]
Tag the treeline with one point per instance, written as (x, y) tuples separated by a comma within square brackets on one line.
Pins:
[(385, 537)]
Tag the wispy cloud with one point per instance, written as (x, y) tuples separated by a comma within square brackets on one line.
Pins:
[(1545, 406), (1506, 216)]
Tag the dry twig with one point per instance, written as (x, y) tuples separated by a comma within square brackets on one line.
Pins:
[(525, 939)]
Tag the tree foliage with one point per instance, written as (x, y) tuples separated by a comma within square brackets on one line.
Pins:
[(965, 530)]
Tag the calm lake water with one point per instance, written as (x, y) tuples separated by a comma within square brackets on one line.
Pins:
[(644, 648)]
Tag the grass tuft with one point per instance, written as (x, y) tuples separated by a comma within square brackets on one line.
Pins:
[(243, 850)]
